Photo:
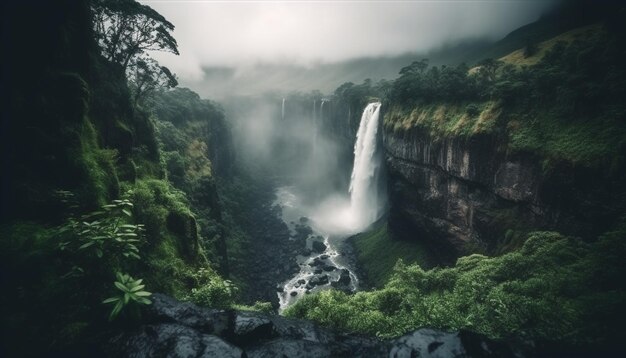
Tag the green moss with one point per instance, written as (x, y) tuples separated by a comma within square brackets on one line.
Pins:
[(587, 142), (377, 254)]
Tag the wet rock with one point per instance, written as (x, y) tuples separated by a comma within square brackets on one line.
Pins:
[(290, 348), (318, 246), (344, 277), (250, 327), (317, 271), (176, 329), (293, 293), (329, 268), (304, 220), (279, 288), (173, 340), (302, 281), (317, 262), (167, 309), (324, 257)]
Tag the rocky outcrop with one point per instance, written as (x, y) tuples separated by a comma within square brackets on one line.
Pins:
[(176, 329), (459, 192)]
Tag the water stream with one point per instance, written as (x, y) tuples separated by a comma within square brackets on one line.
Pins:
[(328, 261)]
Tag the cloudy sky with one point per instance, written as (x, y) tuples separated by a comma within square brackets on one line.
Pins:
[(241, 34)]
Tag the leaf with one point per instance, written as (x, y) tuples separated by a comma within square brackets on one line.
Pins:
[(137, 288), (118, 307), (127, 212), (119, 276), (143, 294), (99, 253), (126, 298), (84, 246), (120, 286), (111, 300), (143, 300)]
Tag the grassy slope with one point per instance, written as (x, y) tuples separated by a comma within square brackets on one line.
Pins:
[(377, 253), (579, 140)]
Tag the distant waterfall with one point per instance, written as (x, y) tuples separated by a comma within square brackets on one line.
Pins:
[(314, 128), (282, 110), (364, 205)]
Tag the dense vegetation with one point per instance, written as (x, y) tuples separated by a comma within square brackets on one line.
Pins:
[(554, 288), (108, 172)]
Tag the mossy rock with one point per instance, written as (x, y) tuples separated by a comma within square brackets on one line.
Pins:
[(186, 229)]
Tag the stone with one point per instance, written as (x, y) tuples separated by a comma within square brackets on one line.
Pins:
[(318, 246), (180, 329), (251, 327), (293, 293)]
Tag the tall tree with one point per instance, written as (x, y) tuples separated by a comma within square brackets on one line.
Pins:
[(145, 76), (125, 29)]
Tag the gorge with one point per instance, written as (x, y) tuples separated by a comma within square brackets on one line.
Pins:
[(473, 205)]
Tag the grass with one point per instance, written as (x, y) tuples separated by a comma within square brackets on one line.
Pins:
[(517, 57), (446, 119), (377, 254), (586, 142)]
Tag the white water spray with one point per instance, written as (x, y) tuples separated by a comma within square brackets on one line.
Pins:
[(364, 205)]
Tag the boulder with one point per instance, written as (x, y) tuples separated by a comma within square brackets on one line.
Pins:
[(318, 246)]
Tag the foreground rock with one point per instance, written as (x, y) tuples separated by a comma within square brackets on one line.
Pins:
[(176, 329)]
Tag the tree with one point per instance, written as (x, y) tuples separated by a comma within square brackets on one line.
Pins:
[(488, 68), (125, 29), (145, 76), (417, 67)]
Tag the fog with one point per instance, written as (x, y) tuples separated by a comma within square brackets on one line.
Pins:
[(249, 55), (225, 45)]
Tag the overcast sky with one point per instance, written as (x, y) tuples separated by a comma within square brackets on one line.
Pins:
[(240, 34)]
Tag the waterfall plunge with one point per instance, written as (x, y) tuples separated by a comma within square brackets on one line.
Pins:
[(338, 215), (364, 205)]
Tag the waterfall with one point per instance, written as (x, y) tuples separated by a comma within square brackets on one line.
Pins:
[(314, 129), (282, 111), (364, 203)]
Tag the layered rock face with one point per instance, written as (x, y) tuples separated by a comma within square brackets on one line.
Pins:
[(461, 192), (175, 329)]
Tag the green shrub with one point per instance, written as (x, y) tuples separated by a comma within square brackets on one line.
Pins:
[(554, 288)]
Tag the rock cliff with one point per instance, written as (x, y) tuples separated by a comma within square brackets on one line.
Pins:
[(467, 192)]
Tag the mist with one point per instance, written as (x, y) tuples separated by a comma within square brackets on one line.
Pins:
[(254, 46)]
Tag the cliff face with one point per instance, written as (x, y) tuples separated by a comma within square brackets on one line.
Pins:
[(464, 193)]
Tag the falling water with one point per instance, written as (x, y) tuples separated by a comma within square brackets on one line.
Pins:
[(282, 112), (364, 205)]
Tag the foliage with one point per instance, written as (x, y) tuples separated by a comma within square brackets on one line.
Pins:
[(379, 268), (125, 29), (105, 232), (131, 293), (567, 106), (146, 76), (553, 288), (212, 291)]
